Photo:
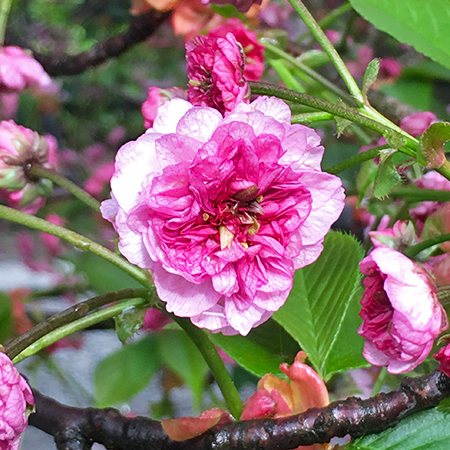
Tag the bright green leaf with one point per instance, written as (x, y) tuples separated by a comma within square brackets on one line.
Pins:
[(422, 24), (123, 374), (322, 297), (182, 356), (428, 430), (256, 352)]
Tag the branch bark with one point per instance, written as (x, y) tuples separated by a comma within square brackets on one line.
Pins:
[(141, 28), (78, 428)]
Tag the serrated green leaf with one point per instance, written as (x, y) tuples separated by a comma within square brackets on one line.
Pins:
[(321, 298), (180, 354), (370, 76), (123, 374), (432, 144), (422, 24), (428, 430), (387, 175), (255, 355)]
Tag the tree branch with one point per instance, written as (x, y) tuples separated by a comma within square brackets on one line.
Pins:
[(78, 428), (141, 28)]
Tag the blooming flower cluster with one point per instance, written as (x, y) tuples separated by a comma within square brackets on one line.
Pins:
[(400, 310), (21, 147), (16, 402), (223, 210)]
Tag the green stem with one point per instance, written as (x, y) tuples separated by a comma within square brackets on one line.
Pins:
[(5, 8), (444, 170), (338, 110), (306, 118), (329, 19), (355, 160), (77, 325), (380, 381), (76, 191), (75, 239), (322, 39), (307, 70), (20, 343), (416, 249), (215, 363), (415, 194)]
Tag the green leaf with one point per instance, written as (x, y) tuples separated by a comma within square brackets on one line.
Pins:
[(428, 430), (432, 144), (387, 175), (262, 350), (5, 316), (123, 374), (370, 76), (422, 24), (323, 296), (182, 356), (104, 276)]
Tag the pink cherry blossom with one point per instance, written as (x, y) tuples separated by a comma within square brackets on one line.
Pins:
[(223, 210), (19, 70), (16, 399), (215, 69), (400, 310), (97, 182), (417, 123), (254, 51), (20, 147), (156, 97), (443, 356)]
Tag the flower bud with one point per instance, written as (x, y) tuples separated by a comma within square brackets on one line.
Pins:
[(20, 148)]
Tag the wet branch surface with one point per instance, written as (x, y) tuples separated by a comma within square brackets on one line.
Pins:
[(141, 27), (78, 428)]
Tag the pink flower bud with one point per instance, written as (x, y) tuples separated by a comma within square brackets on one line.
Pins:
[(417, 123), (16, 401), (215, 69), (253, 50), (21, 147), (443, 356), (400, 310), (20, 71)]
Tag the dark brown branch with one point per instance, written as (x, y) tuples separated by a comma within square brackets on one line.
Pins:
[(141, 28), (77, 428)]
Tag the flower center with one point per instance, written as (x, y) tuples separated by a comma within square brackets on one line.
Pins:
[(237, 217)]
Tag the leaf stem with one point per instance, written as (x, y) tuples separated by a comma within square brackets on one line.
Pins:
[(20, 343), (322, 39), (75, 239), (77, 325), (345, 112), (215, 363), (414, 250), (308, 71), (329, 19), (355, 160), (76, 191), (306, 118)]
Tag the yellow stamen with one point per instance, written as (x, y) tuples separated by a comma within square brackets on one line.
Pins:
[(226, 237)]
